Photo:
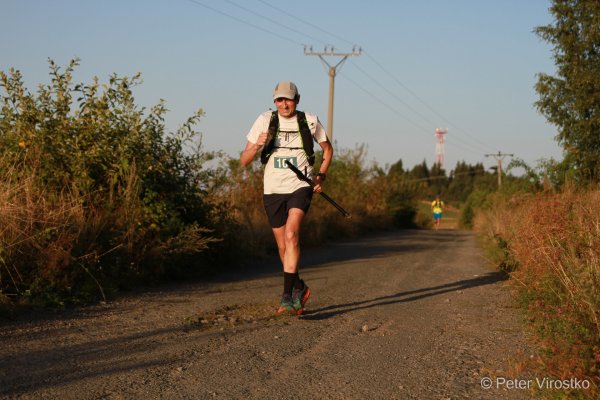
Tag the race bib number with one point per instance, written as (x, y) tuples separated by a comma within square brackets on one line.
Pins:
[(281, 162)]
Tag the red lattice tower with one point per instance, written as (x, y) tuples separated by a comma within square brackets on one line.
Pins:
[(440, 134)]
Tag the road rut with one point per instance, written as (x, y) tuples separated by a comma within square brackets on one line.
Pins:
[(402, 315)]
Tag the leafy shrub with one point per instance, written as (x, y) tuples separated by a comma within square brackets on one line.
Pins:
[(93, 189), (476, 200)]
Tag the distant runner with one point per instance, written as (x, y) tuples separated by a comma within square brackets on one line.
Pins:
[(287, 136), (437, 206)]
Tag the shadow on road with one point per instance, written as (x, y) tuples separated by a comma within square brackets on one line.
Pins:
[(403, 297), (377, 246), (66, 363), (122, 354)]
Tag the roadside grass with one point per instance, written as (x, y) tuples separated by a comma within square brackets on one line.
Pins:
[(550, 245)]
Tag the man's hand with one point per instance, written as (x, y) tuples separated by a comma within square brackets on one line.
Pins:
[(263, 138), (252, 149), (318, 184)]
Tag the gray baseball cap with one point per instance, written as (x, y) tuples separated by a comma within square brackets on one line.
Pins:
[(286, 90)]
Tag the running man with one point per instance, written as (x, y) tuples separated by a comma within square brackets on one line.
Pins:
[(437, 206), (287, 136)]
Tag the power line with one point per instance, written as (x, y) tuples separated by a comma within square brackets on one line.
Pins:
[(390, 92), (305, 22), (485, 146), (411, 108), (454, 137), (277, 35), (385, 104), (465, 146), (272, 20)]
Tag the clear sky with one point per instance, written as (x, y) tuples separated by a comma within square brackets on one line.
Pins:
[(466, 65)]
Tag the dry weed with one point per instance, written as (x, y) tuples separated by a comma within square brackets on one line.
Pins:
[(554, 239)]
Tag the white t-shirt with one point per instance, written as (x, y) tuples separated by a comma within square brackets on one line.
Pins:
[(278, 177)]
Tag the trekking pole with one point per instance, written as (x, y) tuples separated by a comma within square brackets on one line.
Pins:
[(306, 179)]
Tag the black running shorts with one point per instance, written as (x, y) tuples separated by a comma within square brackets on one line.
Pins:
[(278, 205)]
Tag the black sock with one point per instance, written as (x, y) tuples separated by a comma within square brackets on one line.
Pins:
[(288, 282), (298, 283)]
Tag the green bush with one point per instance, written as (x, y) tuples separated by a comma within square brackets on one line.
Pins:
[(93, 188), (476, 200)]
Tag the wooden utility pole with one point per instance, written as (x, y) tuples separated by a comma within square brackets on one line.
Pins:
[(332, 71), (499, 157)]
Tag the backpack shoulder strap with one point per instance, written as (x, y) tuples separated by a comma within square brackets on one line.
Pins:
[(273, 129), (307, 138), (305, 135)]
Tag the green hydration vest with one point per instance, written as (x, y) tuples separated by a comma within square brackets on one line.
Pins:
[(305, 137)]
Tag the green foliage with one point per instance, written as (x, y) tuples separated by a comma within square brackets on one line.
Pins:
[(383, 199), (485, 193), (438, 181), (94, 190), (396, 169), (453, 187), (419, 172), (377, 200), (478, 199), (402, 200), (571, 100), (462, 181)]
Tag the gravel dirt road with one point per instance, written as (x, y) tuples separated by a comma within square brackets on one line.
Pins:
[(402, 315)]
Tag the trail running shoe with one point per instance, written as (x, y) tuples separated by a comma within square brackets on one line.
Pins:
[(299, 297), (286, 305)]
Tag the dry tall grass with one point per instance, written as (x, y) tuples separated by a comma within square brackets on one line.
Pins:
[(551, 243), (57, 247), (373, 200), (34, 227)]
